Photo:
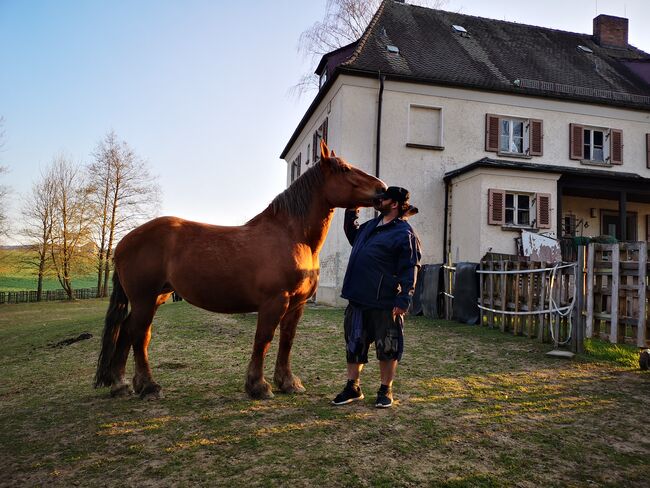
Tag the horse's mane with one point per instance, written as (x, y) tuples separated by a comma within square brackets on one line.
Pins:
[(296, 199)]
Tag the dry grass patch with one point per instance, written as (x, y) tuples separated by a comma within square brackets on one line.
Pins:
[(476, 408)]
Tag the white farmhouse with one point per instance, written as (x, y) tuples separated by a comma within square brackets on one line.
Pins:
[(493, 126)]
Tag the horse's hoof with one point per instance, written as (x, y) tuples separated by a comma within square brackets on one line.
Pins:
[(152, 391), (291, 385), (259, 391), (121, 390)]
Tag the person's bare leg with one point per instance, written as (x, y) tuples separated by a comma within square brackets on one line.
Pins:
[(387, 370), (354, 371)]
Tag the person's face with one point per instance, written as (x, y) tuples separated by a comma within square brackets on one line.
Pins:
[(384, 205)]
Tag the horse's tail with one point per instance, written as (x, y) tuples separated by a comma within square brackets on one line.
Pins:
[(115, 315)]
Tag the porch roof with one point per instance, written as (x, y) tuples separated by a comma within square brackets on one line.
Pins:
[(574, 181)]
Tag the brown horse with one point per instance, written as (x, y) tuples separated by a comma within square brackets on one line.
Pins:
[(269, 265)]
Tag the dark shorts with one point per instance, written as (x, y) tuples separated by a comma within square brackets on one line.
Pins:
[(379, 327)]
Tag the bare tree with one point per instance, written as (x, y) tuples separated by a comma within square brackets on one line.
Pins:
[(345, 22), (38, 219), (72, 213), (4, 190), (124, 194)]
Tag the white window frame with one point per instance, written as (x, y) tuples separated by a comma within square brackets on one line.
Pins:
[(441, 131), (532, 213), (605, 147), (525, 135)]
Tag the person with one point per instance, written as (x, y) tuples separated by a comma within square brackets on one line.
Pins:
[(379, 284)]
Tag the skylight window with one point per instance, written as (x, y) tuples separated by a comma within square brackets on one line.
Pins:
[(585, 49), (392, 49), (459, 28)]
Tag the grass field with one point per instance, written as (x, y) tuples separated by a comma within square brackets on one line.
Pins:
[(476, 409), (17, 275)]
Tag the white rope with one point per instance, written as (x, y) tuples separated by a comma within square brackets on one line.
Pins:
[(553, 308), (525, 271)]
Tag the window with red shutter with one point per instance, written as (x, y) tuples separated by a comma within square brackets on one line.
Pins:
[(491, 133), (576, 141), (320, 133), (496, 206), (616, 149), (543, 211)]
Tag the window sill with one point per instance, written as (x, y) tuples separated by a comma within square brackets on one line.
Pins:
[(425, 146), (514, 155), (602, 164), (517, 228)]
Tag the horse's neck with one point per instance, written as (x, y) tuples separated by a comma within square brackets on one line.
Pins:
[(317, 225)]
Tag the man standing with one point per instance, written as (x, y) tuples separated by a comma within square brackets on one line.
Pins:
[(379, 283)]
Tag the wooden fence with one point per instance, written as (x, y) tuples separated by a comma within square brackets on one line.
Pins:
[(524, 297), (617, 293), (47, 295), (604, 293)]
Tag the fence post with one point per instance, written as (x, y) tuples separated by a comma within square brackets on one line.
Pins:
[(577, 338), (643, 267), (616, 267)]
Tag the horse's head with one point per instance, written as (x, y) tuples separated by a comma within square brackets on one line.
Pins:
[(347, 186)]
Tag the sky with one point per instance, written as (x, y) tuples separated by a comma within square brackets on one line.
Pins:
[(200, 89)]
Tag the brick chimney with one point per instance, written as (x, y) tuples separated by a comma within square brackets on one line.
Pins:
[(610, 31)]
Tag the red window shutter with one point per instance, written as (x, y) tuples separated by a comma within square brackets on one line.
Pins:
[(491, 133), (647, 228), (576, 138), (325, 135), (536, 137), (314, 147), (616, 148), (543, 211), (647, 150), (496, 207)]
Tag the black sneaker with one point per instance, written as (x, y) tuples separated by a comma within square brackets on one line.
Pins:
[(351, 393), (384, 398)]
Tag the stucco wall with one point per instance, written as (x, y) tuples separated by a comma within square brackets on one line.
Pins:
[(351, 106)]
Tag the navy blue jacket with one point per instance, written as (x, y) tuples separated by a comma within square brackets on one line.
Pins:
[(383, 263)]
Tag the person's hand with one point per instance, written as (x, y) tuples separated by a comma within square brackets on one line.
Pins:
[(398, 311)]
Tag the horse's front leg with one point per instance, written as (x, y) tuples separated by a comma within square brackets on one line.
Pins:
[(284, 379), (268, 317)]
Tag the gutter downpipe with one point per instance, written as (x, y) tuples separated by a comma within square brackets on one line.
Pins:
[(380, 101), (444, 232)]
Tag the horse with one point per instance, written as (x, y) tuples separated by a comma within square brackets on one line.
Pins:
[(268, 265)]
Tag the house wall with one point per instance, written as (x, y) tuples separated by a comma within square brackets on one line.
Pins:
[(471, 235), (351, 106)]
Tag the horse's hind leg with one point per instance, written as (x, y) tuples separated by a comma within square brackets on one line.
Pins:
[(142, 315), (120, 386), (283, 378), (268, 318)]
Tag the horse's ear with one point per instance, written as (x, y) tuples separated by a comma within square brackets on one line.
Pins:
[(324, 150), (333, 154)]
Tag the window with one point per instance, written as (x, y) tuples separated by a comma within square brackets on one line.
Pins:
[(595, 145), (308, 153), (320, 133), (322, 79), (513, 136), (519, 209), (593, 141), (424, 127), (295, 168)]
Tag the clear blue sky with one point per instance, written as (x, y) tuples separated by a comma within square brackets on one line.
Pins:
[(198, 88)]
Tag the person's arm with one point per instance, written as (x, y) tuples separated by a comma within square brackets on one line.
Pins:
[(407, 263), (350, 226)]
